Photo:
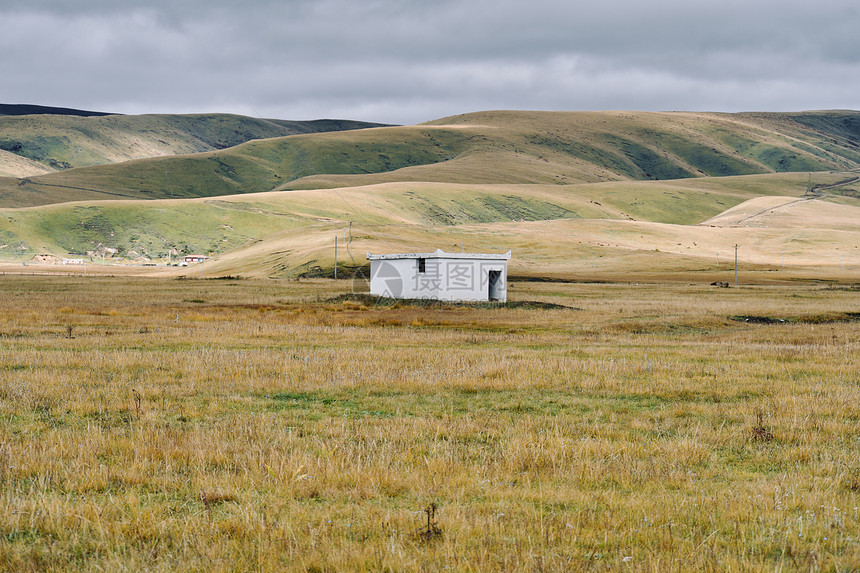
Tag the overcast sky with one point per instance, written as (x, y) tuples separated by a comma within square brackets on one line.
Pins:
[(408, 61)]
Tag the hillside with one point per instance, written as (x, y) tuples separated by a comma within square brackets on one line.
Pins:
[(63, 140), (568, 192), (481, 148), (555, 230)]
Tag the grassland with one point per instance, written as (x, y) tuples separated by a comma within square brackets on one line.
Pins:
[(566, 231), (626, 192), (169, 425), (551, 148), (44, 143)]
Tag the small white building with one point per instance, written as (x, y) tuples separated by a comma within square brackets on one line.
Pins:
[(440, 276)]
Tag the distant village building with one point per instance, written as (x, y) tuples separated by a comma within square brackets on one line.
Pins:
[(440, 276), (194, 259)]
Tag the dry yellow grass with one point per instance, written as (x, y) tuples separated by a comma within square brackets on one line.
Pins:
[(12, 165), (563, 230), (263, 425)]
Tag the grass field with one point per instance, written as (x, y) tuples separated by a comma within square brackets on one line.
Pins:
[(665, 225), (169, 425), (568, 193)]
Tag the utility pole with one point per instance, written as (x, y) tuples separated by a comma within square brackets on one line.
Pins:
[(736, 264), (335, 257)]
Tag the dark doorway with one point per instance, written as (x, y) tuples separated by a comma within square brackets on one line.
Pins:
[(494, 283)]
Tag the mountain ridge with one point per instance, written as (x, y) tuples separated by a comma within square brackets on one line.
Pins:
[(61, 142), (494, 147), (32, 109), (566, 190)]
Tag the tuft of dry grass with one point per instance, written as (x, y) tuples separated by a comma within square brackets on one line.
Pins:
[(760, 432)]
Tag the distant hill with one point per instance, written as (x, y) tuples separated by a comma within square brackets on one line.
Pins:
[(51, 143), (568, 192), (560, 230), (28, 109), (496, 147)]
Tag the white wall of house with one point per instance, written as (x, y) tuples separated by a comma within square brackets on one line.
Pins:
[(440, 276)]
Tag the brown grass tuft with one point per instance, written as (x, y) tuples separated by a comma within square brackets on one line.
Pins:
[(760, 432), (430, 531)]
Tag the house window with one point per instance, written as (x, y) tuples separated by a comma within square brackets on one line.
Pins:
[(421, 266)]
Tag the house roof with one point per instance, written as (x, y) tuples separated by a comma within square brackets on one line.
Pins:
[(439, 254)]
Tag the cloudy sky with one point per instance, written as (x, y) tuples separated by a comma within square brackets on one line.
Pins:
[(407, 61)]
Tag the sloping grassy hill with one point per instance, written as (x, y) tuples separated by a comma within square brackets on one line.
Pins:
[(12, 165), (571, 249), (481, 148), (564, 190), (551, 227), (64, 141)]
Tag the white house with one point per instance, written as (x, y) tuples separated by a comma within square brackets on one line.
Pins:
[(440, 276)]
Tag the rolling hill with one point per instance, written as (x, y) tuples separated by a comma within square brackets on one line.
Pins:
[(482, 148), (54, 139), (554, 230), (568, 192)]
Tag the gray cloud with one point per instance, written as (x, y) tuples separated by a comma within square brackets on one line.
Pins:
[(408, 61)]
